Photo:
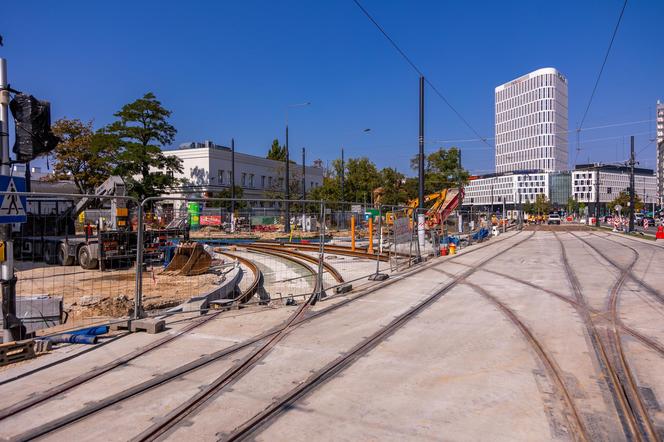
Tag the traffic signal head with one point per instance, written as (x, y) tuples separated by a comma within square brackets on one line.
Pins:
[(33, 127)]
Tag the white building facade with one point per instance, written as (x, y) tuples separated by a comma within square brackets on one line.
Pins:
[(207, 168), (494, 189), (531, 122), (660, 151), (612, 181)]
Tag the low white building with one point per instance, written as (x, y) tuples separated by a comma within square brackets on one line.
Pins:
[(207, 169), (612, 181), (495, 188)]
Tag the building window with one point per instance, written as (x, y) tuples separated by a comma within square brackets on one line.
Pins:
[(269, 180), (244, 179), (263, 181), (251, 180), (221, 176)]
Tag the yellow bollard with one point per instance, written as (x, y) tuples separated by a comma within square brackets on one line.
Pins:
[(370, 248), (352, 233)]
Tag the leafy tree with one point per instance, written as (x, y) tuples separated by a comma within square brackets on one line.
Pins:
[(441, 170), (276, 151), (226, 193), (83, 156), (623, 200), (542, 205), (572, 205), (393, 187), (141, 131)]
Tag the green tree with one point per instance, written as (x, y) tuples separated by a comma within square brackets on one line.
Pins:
[(226, 193), (392, 187), (542, 205), (572, 205), (623, 200), (83, 156), (141, 131), (276, 151), (442, 170)]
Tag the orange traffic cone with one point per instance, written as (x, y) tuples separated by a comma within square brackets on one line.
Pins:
[(660, 233)]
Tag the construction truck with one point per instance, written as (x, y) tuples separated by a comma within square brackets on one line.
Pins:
[(49, 235), (444, 202)]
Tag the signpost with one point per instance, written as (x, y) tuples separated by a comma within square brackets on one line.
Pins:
[(12, 207)]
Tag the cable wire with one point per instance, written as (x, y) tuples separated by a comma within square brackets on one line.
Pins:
[(419, 71)]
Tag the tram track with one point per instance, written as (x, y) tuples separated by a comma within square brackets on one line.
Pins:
[(555, 372), (330, 370), (631, 410), (233, 374)]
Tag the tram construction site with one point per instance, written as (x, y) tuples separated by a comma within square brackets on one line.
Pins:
[(532, 335)]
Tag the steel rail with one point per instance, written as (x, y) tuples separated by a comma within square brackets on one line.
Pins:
[(333, 368), (258, 276), (339, 250), (624, 373), (624, 407), (145, 386), (555, 372), (285, 253)]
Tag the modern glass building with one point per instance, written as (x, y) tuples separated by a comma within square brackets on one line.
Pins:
[(531, 122)]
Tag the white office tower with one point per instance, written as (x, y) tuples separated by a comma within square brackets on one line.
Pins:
[(531, 123)]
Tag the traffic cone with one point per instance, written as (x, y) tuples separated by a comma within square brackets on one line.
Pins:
[(660, 233)]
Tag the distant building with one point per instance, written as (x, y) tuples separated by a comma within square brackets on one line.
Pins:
[(531, 122), (612, 181), (511, 187), (207, 169), (660, 152)]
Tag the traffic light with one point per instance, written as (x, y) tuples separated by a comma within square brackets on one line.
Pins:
[(33, 127)]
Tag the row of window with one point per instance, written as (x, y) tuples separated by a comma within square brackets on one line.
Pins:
[(544, 115), (527, 101), (249, 180), (523, 86)]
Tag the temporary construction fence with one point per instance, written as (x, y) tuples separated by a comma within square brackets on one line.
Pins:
[(85, 260)]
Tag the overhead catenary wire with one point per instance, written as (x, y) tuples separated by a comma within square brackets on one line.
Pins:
[(599, 76), (419, 72)]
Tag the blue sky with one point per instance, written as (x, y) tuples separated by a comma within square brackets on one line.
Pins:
[(230, 69)]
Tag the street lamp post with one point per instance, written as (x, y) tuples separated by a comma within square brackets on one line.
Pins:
[(287, 227)]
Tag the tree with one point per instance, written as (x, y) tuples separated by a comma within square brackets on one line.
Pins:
[(542, 205), (141, 131), (623, 200), (393, 187), (276, 151), (572, 205), (83, 156), (226, 193), (441, 170)]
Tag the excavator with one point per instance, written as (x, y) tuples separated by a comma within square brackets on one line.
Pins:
[(444, 202)]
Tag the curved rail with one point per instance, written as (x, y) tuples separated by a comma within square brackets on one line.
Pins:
[(177, 372), (643, 422), (303, 256), (339, 250), (550, 363), (339, 364), (256, 284), (627, 404)]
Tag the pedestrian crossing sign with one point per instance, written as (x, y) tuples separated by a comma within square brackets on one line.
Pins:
[(12, 207)]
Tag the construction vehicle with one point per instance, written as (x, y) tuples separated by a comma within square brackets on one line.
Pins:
[(444, 202), (190, 259), (50, 235)]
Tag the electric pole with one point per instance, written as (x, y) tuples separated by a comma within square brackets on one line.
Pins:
[(343, 172), (232, 184), (420, 190), (597, 168), (287, 189), (631, 183)]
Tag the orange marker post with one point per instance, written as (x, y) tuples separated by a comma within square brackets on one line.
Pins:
[(352, 233), (370, 248)]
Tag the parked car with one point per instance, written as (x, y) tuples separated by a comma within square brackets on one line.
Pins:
[(554, 218)]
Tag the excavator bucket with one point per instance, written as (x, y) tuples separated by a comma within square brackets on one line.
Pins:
[(190, 259)]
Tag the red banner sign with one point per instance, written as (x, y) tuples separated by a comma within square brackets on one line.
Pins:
[(210, 220)]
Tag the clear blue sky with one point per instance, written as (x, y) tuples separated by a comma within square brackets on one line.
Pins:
[(229, 69)]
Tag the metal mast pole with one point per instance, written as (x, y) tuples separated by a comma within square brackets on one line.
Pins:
[(343, 173), (304, 188), (232, 180), (7, 267), (287, 189), (597, 196), (420, 189), (631, 183)]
